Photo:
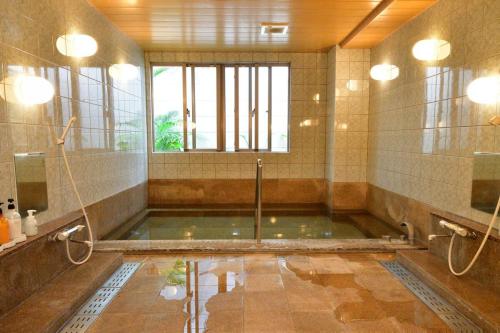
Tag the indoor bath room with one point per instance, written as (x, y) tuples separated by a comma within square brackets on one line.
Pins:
[(248, 166)]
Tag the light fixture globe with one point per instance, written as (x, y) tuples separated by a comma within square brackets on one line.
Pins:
[(431, 49), (485, 90), (27, 90), (76, 45), (384, 72)]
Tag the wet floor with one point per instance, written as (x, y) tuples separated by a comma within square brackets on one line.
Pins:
[(266, 293)]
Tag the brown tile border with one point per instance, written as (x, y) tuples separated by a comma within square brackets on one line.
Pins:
[(96, 212), (346, 195), (233, 191), (382, 204)]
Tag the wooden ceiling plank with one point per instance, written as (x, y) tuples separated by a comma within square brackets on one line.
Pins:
[(227, 25)]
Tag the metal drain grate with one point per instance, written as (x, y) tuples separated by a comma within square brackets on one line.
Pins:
[(89, 312), (448, 313), (78, 324), (121, 276), (98, 302)]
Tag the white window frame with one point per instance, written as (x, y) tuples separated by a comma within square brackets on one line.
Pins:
[(253, 116)]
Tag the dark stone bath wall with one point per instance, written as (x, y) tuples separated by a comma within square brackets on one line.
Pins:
[(28, 266), (388, 206)]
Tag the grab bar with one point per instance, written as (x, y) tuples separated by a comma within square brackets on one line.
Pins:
[(258, 201)]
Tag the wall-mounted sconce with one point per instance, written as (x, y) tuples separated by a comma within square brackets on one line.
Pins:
[(27, 90), (123, 72), (384, 72), (76, 45), (485, 90), (431, 49)]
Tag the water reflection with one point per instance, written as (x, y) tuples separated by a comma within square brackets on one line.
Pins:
[(108, 109), (201, 286)]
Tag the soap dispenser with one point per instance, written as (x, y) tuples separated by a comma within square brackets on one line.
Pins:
[(15, 223), (30, 224), (4, 228)]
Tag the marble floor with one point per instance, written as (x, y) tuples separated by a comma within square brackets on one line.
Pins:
[(348, 292)]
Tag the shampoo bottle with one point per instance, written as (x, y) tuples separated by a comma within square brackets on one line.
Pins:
[(30, 224), (4, 228), (15, 223)]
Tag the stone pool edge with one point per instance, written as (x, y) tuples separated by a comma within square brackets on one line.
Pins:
[(250, 246)]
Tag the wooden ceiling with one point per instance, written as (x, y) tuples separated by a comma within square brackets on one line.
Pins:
[(228, 25)]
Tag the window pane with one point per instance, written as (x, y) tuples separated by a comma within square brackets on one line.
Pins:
[(189, 105), (167, 106), (206, 107), (263, 107), (279, 108), (229, 103), (244, 107)]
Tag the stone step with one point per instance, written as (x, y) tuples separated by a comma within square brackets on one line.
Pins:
[(475, 301), (54, 303)]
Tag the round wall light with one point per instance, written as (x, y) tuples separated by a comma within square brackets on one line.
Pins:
[(27, 90), (123, 72), (384, 72), (485, 90), (76, 45), (431, 49)]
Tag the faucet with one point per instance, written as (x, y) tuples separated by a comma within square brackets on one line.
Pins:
[(411, 230), (433, 237)]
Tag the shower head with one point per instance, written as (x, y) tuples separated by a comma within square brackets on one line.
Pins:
[(60, 141), (495, 121)]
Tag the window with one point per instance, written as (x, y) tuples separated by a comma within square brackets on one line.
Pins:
[(233, 107)]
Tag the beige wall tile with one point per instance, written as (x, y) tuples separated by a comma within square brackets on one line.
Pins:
[(105, 161)]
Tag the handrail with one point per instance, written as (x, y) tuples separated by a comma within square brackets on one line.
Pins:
[(258, 201)]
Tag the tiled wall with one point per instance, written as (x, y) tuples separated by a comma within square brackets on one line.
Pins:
[(347, 130), (107, 147), (306, 158), (422, 127)]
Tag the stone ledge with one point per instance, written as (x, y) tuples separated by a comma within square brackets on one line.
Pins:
[(477, 302), (53, 304)]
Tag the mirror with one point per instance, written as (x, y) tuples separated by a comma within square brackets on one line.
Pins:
[(485, 182), (31, 182)]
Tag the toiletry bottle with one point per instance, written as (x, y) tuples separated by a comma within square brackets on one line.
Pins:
[(4, 228), (15, 223), (30, 224)]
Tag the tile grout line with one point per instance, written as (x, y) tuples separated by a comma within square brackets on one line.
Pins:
[(98, 302), (444, 310)]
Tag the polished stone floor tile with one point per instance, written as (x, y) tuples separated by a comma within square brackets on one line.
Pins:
[(348, 292), (263, 282)]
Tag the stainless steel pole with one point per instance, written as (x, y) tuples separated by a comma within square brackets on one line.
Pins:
[(258, 201)]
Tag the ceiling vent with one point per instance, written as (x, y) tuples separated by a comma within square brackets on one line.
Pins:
[(274, 28)]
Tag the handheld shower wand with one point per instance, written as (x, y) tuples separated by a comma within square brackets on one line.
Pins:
[(90, 242), (61, 140), (495, 121)]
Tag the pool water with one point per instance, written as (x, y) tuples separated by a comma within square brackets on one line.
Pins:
[(242, 227)]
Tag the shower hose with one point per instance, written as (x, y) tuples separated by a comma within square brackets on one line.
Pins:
[(90, 242), (473, 261)]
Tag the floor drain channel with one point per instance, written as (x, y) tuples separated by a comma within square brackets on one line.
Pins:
[(448, 313), (89, 312)]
